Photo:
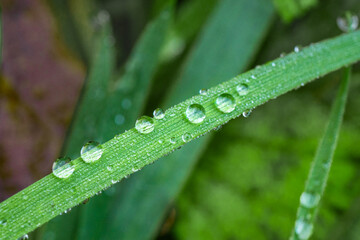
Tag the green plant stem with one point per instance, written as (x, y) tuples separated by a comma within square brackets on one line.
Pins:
[(318, 176), (131, 151)]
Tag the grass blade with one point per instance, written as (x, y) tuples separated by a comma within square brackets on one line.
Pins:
[(131, 88), (131, 150), (317, 179), (87, 117), (162, 181)]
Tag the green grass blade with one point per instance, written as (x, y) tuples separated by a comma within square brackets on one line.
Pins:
[(87, 117), (164, 179), (131, 88), (130, 151), (317, 179)]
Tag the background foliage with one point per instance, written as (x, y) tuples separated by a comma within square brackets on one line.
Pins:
[(243, 182)]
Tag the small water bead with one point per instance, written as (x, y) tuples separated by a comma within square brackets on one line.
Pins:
[(247, 113), (63, 168), (144, 125), (203, 91), (186, 137), (109, 168), (225, 103), (309, 200), (303, 229), (172, 140), (3, 222), (348, 22), (195, 113), (159, 113), (160, 141), (119, 119), (273, 64), (242, 89), (297, 49), (24, 237), (91, 152)]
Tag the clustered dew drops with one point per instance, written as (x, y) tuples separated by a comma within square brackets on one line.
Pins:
[(63, 168), (348, 23), (91, 152)]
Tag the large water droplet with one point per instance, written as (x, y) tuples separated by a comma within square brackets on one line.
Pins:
[(186, 137), (309, 200), (225, 103), (348, 22), (3, 222), (242, 89), (159, 113), (144, 125), (91, 152), (63, 168), (195, 113), (303, 229)]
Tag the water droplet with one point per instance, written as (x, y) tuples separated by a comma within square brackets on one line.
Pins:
[(3, 222), (225, 103), (113, 181), (247, 113), (172, 140), (24, 237), (297, 49), (25, 197), (186, 137), (309, 200), (195, 113), (144, 125), (273, 64), (119, 119), (303, 229), (159, 113), (203, 91), (109, 168), (63, 168), (348, 23), (126, 103), (160, 141), (242, 89), (91, 152)]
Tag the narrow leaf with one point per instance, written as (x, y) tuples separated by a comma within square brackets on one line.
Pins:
[(317, 179)]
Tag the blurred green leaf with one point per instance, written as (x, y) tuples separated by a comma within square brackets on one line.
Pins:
[(162, 181), (291, 9)]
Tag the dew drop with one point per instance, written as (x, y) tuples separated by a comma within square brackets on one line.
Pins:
[(62, 168), (297, 49), (348, 22), (24, 237), (91, 152), (247, 113), (186, 137), (273, 64), (3, 222), (242, 89), (303, 229), (309, 200), (225, 103), (109, 168), (160, 141), (159, 113), (144, 125), (126, 103), (172, 140), (119, 119), (203, 91), (195, 113)]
